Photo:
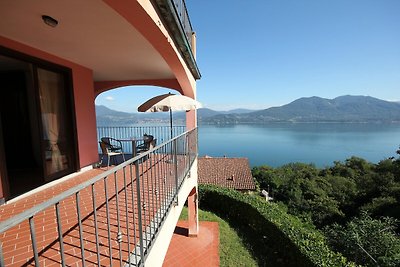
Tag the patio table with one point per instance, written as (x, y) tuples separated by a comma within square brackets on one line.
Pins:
[(134, 141)]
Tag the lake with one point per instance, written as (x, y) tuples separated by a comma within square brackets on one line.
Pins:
[(319, 143)]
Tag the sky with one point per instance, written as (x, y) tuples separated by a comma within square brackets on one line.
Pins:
[(256, 54)]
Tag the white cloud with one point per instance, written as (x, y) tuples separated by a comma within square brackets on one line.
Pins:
[(109, 98)]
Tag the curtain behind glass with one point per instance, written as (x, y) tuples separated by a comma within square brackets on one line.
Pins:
[(53, 112)]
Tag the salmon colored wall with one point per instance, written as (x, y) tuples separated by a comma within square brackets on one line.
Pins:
[(142, 16), (101, 87), (84, 100), (85, 116), (191, 119)]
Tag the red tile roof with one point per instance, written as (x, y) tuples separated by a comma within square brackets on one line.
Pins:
[(226, 172)]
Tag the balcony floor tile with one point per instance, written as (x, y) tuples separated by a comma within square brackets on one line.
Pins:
[(156, 186)]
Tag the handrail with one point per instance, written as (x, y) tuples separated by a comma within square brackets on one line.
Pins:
[(183, 145), (160, 132), (183, 15), (175, 14), (17, 219)]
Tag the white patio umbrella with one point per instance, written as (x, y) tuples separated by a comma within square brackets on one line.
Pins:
[(169, 102)]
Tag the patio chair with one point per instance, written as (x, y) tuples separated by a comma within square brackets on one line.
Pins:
[(114, 145), (110, 147), (148, 143)]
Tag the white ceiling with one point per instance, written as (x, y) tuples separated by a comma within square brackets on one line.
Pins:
[(89, 33)]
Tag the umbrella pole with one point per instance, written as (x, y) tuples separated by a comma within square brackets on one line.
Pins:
[(170, 121)]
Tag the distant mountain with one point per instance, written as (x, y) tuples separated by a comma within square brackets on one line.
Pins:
[(107, 117), (105, 111), (307, 109), (239, 111), (315, 109), (206, 112)]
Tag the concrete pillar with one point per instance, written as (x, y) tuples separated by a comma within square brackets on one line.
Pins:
[(191, 119), (193, 213), (194, 44)]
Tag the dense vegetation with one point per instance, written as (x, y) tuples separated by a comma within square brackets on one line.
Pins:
[(274, 237), (355, 203)]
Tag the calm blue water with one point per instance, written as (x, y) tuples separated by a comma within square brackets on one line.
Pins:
[(321, 144)]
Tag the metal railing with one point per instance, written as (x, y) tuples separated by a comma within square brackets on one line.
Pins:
[(109, 220), (183, 15), (160, 133), (176, 18)]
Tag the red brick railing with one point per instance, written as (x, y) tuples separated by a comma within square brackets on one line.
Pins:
[(111, 219)]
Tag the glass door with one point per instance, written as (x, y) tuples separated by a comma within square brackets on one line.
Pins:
[(56, 124)]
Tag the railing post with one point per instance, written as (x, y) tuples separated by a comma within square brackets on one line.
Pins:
[(188, 148), (108, 219), (196, 135), (176, 171), (139, 207), (60, 234), (119, 234), (78, 212), (33, 238), (1, 257), (96, 227)]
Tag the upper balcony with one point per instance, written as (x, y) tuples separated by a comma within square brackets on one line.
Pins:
[(176, 16), (121, 42)]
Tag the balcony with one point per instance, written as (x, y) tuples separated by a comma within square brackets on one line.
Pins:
[(161, 133), (176, 17), (103, 217)]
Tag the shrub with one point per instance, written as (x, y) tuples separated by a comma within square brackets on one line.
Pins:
[(273, 234)]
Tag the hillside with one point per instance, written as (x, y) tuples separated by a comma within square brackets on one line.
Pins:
[(108, 117), (316, 109), (307, 109)]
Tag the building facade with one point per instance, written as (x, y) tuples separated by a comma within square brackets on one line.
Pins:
[(55, 58)]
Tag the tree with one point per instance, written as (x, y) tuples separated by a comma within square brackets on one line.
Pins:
[(367, 241), (301, 188)]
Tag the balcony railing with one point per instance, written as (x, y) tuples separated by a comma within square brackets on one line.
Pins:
[(161, 133), (176, 18), (183, 15), (111, 219)]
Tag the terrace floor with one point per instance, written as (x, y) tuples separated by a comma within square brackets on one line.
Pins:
[(116, 200), (185, 251)]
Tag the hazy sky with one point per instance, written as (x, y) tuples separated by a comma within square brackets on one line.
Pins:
[(261, 53)]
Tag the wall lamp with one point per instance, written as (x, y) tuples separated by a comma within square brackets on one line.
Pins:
[(50, 21)]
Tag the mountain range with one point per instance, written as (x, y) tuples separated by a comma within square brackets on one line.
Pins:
[(316, 109), (307, 109), (109, 117)]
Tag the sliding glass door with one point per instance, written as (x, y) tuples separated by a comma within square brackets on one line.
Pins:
[(37, 133), (55, 114)]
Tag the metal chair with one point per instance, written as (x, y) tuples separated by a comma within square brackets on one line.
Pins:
[(148, 143), (110, 147), (114, 145)]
